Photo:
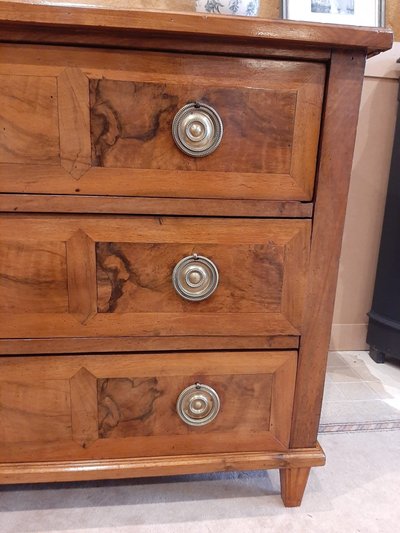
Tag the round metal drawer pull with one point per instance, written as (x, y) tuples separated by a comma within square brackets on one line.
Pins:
[(198, 405), (195, 278), (197, 129)]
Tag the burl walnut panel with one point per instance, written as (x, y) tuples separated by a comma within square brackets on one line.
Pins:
[(87, 407), (131, 127), (100, 276), (136, 278), (88, 121), (127, 406)]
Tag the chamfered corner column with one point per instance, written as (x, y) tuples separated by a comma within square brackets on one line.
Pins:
[(293, 484)]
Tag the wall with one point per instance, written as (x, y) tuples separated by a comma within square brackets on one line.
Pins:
[(366, 201)]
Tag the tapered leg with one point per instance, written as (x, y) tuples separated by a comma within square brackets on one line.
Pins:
[(293, 484)]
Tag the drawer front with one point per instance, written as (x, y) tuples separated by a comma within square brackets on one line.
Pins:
[(90, 407), (103, 276), (81, 121)]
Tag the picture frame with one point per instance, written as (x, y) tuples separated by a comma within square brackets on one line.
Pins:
[(348, 12)]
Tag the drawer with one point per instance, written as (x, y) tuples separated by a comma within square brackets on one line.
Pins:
[(89, 121), (88, 407), (121, 276)]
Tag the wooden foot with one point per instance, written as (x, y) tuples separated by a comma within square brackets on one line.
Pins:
[(293, 484)]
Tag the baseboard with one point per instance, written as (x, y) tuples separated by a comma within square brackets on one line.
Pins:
[(348, 337)]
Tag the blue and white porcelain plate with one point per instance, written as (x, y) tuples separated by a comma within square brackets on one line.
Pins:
[(246, 8)]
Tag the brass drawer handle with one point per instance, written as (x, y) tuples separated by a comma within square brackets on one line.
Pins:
[(195, 278), (197, 129), (198, 405)]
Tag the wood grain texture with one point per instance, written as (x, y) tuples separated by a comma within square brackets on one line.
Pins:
[(93, 416), (132, 293), (41, 203), (131, 40), (33, 276), (81, 268), (199, 25), (293, 484), (340, 122), (143, 406), (271, 125), (84, 407), (32, 325), (39, 472), (267, 122), (29, 123), (33, 409), (295, 276), (136, 397), (140, 344), (131, 127), (74, 120), (137, 278)]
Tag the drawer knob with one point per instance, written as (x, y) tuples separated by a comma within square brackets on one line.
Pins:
[(198, 405), (197, 129), (195, 278)]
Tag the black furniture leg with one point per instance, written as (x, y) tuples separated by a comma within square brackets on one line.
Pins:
[(377, 355)]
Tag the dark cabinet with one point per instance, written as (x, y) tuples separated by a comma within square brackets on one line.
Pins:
[(384, 317)]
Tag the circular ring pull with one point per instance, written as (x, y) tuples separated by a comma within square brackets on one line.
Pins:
[(198, 405), (195, 278), (197, 129)]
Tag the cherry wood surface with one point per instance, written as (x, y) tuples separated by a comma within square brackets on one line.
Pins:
[(191, 26), (72, 276), (109, 132), (90, 407)]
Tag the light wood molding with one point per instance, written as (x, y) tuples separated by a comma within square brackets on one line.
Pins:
[(41, 472)]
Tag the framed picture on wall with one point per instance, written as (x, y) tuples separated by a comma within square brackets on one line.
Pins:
[(353, 12)]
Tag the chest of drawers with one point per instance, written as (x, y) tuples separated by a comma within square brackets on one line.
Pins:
[(173, 191)]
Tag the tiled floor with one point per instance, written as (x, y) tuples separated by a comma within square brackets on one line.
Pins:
[(357, 390)]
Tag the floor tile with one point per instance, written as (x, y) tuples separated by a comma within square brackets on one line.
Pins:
[(332, 392), (357, 391), (339, 412), (343, 374), (382, 391), (335, 359)]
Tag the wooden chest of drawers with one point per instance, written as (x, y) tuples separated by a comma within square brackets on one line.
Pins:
[(172, 208)]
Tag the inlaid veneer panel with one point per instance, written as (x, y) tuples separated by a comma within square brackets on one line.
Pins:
[(113, 276), (137, 278), (94, 406), (107, 128), (34, 409), (131, 127), (29, 122), (33, 277), (96, 276)]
